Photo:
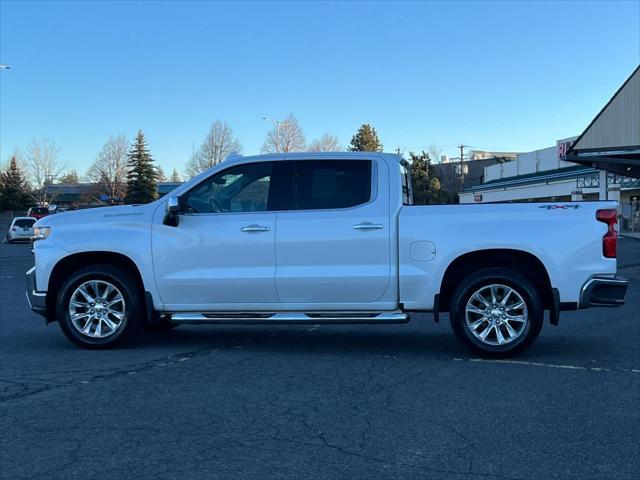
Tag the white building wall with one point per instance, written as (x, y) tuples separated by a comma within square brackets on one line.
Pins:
[(493, 172), (547, 160), (509, 169), (530, 162), (539, 190)]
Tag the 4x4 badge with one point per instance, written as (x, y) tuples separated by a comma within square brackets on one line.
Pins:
[(554, 207)]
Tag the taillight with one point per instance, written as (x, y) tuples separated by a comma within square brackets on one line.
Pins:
[(610, 239)]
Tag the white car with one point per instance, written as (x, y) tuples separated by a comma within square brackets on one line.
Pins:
[(311, 238), (21, 228)]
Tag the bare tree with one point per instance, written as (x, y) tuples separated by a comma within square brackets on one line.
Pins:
[(161, 177), (326, 143), (109, 169), (43, 167), (286, 136), (435, 152), (217, 146)]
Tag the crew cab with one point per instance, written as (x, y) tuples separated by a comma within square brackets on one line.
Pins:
[(321, 238)]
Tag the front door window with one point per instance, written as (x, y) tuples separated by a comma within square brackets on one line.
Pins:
[(243, 188)]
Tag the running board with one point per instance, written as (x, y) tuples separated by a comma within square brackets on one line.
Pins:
[(294, 318)]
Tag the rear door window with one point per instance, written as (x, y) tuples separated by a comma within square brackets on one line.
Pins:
[(329, 184)]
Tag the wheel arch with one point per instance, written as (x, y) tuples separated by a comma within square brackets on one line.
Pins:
[(525, 263), (69, 264)]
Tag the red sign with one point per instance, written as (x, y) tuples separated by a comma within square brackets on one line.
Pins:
[(563, 148)]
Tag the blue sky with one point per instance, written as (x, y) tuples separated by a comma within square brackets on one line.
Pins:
[(493, 75)]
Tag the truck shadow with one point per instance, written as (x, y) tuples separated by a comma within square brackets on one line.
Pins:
[(436, 342), (329, 340)]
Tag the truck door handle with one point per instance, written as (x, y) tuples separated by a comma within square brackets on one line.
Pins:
[(255, 228), (368, 226)]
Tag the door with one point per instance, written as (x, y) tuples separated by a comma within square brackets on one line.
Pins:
[(222, 254), (333, 242)]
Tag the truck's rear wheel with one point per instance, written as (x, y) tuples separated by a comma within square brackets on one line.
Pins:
[(99, 306), (496, 312)]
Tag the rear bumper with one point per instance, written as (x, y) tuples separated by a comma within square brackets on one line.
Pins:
[(603, 292), (37, 300), (19, 236)]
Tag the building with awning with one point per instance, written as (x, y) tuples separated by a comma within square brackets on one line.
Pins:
[(611, 142), (602, 163), (544, 176)]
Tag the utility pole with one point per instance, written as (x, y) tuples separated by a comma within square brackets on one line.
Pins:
[(462, 147)]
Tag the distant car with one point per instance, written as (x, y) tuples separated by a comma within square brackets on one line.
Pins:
[(21, 229), (58, 210), (38, 212)]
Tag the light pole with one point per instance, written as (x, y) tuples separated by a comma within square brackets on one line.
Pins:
[(277, 124)]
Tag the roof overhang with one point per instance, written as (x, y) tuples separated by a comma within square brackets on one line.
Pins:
[(612, 140), (627, 163)]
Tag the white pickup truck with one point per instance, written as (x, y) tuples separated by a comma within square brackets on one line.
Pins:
[(311, 238)]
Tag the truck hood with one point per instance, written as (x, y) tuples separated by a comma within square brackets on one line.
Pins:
[(98, 215)]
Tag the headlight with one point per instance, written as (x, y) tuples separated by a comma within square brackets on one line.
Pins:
[(40, 233)]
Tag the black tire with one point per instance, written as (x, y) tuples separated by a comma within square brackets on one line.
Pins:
[(133, 306), (484, 278)]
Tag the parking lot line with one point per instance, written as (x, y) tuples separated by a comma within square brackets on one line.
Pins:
[(547, 365)]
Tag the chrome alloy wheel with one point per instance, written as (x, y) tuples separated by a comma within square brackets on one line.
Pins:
[(496, 314), (96, 309)]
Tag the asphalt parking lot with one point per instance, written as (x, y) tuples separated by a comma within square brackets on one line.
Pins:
[(388, 402)]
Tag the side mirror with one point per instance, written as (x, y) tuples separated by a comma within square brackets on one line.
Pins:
[(172, 208), (173, 205)]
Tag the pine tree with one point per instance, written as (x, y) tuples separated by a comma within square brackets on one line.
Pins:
[(426, 185), (365, 140), (175, 176), (14, 191), (142, 180), (71, 177)]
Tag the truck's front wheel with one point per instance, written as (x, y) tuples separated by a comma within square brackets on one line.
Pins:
[(496, 312), (99, 306)]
